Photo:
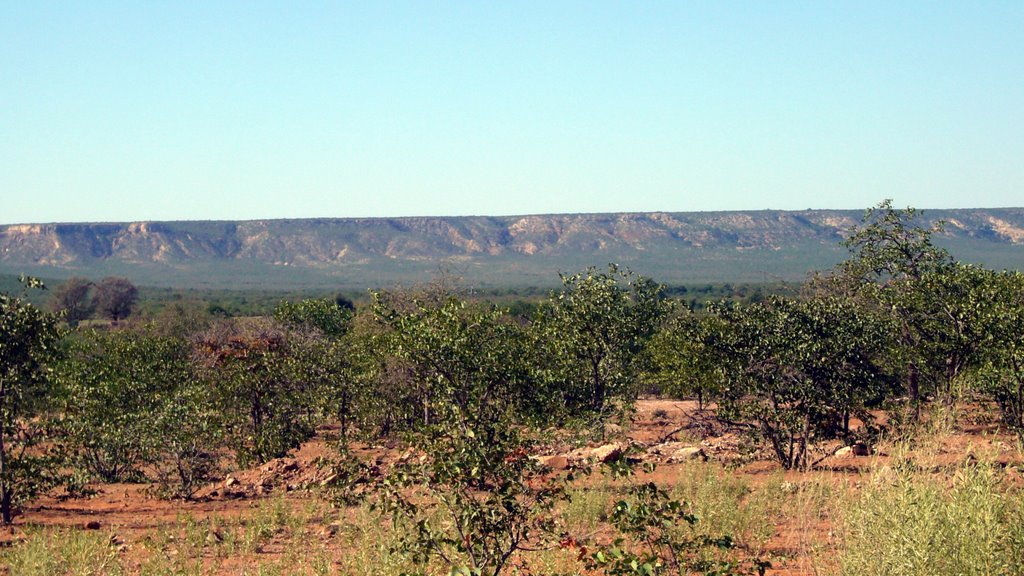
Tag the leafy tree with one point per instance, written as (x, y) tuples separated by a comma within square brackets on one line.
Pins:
[(685, 358), (891, 245), (324, 359), (469, 463), (893, 265), (331, 377), (956, 310), (27, 340), (113, 385), (181, 319), (73, 300), (1002, 373), (800, 368), (187, 429), (252, 370), (591, 335), (115, 298), (324, 314), (491, 498), (456, 355)]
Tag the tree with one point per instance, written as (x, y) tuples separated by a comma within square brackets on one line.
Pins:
[(115, 298), (187, 429), (892, 255), (457, 355), (1002, 373), (73, 300), (325, 314), (591, 335), (684, 357), (27, 339), (263, 398), (891, 245), (467, 369), (114, 382), (955, 312), (493, 499), (800, 368)]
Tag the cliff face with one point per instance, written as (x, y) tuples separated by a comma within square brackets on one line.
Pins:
[(325, 244)]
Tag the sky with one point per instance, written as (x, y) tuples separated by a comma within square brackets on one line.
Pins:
[(127, 111)]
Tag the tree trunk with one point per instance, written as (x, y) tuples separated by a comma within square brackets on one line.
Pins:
[(914, 391), (5, 503)]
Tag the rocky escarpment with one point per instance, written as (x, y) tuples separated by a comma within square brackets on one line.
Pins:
[(325, 244)]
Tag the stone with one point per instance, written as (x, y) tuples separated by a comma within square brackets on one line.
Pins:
[(556, 462), (607, 452), (688, 453)]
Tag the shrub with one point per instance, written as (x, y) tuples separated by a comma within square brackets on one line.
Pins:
[(590, 337), (259, 386), (656, 535), (27, 340), (799, 369), (471, 501), (188, 430), (908, 523), (113, 384)]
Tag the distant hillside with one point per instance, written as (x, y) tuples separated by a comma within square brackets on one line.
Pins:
[(486, 251)]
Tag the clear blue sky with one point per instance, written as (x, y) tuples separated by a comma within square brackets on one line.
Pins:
[(223, 110)]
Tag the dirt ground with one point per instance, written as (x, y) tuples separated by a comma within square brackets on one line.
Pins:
[(660, 429)]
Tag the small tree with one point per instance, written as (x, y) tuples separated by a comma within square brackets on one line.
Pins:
[(115, 298), (27, 340), (114, 383), (474, 359), (324, 314), (891, 245), (1002, 374), (469, 462), (800, 368), (261, 394), (73, 300), (685, 360), (492, 499), (324, 357), (958, 310), (591, 335), (187, 428), (892, 254)]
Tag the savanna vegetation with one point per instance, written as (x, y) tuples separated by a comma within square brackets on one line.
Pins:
[(443, 405)]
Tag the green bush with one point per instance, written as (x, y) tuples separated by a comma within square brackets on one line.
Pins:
[(28, 337), (113, 385), (799, 369), (908, 523), (657, 534), (260, 387)]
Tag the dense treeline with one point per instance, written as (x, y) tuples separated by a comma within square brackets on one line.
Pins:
[(899, 324)]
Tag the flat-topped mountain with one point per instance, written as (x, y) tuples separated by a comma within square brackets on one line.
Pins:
[(506, 250)]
